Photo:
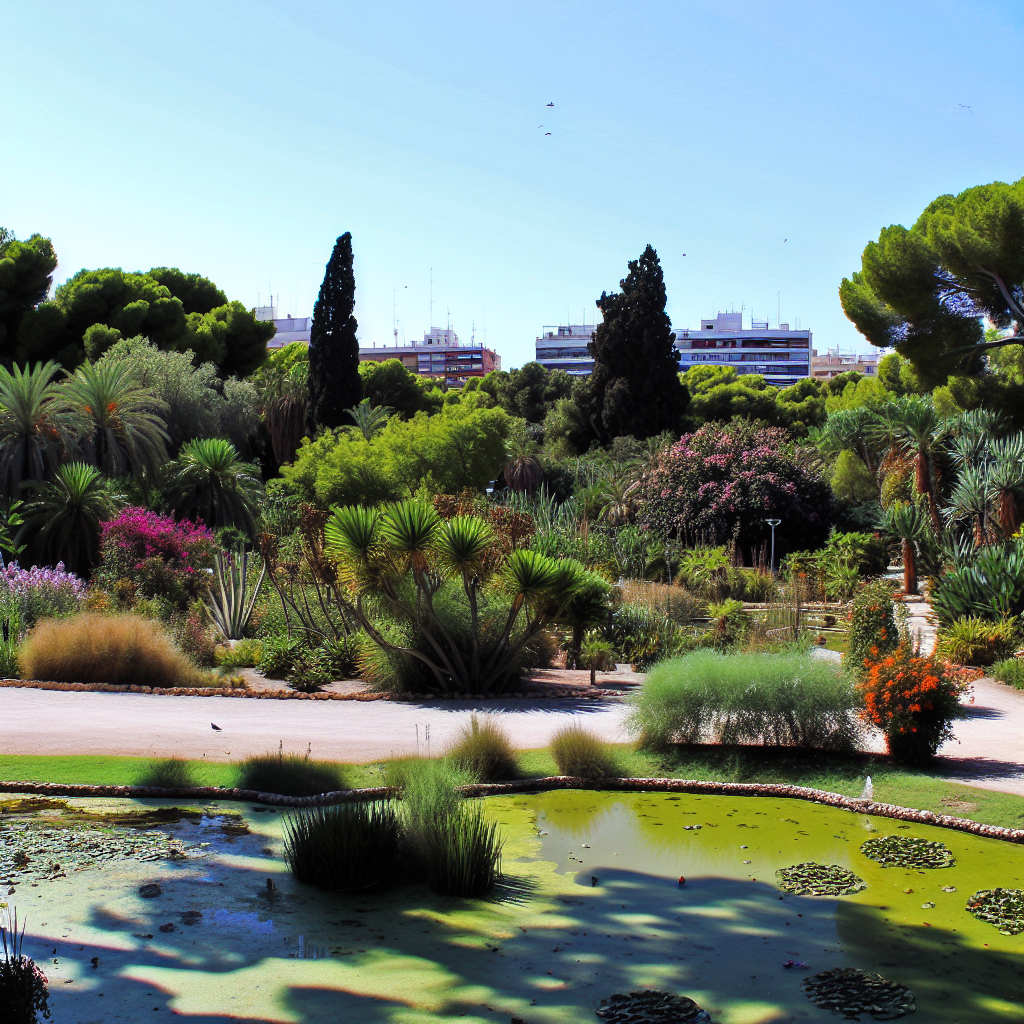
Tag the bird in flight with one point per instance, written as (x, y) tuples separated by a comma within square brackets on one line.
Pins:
[(785, 239), (547, 133), (216, 728), (551, 104), (967, 107)]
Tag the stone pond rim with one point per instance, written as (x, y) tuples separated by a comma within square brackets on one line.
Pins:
[(557, 782)]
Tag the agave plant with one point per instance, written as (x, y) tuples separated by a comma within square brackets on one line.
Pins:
[(231, 604)]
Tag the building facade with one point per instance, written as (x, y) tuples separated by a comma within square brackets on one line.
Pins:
[(440, 355), (565, 348), (289, 328), (780, 355), (834, 362)]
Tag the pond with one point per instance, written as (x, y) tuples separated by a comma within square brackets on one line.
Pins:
[(591, 906)]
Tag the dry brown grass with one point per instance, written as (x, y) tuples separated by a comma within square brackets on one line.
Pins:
[(673, 602), (94, 648)]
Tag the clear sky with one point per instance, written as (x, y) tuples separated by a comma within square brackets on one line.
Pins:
[(756, 145)]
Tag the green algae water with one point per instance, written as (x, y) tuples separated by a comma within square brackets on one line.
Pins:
[(591, 905)]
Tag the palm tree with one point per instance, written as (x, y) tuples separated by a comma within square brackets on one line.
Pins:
[(370, 418), (33, 431), (208, 480), (523, 472), (905, 521), (62, 522), (1007, 478), (118, 430), (618, 494), (914, 430), (973, 501), (285, 399)]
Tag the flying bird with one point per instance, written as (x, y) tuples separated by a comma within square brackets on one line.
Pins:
[(216, 728), (551, 104), (785, 239), (547, 133), (967, 107)]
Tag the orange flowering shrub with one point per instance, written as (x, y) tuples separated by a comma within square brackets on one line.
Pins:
[(873, 630), (912, 699)]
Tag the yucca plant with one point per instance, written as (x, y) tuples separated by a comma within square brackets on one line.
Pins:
[(231, 603), (906, 521)]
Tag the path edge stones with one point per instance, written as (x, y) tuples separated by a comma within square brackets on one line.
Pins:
[(556, 782)]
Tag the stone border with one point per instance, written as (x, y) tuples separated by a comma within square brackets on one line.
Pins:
[(238, 691), (556, 782)]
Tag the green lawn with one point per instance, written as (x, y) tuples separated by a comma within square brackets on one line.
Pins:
[(907, 787)]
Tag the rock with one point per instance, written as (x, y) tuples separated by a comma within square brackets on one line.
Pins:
[(150, 890), (169, 927)]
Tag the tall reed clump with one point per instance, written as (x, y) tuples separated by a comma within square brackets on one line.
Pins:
[(786, 700), (455, 846), (290, 774), (116, 649), (484, 751), (24, 994), (170, 773), (344, 847), (583, 755)]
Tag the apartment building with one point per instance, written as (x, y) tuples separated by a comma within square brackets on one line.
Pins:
[(834, 362), (289, 328), (565, 348), (440, 355)]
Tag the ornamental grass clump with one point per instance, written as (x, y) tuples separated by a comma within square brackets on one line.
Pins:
[(344, 847), (484, 752), (972, 641), (117, 649), (290, 774), (913, 700), (169, 773), (583, 755), (782, 700)]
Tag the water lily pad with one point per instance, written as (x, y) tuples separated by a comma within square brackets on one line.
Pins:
[(1002, 907), (651, 1006), (811, 879), (850, 991), (907, 852)]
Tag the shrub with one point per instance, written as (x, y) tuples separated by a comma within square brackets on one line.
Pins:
[(991, 587), (484, 751), (117, 649), (244, 654), (290, 774), (755, 586), (43, 593), (160, 557), (279, 654), (643, 636), (977, 642), (913, 700), (1010, 672), (671, 602), (344, 847), (583, 755), (23, 986), (596, 654), (11, 630), (192, 637), (171, 773), (728, 621), (872, 624), (772, 699)]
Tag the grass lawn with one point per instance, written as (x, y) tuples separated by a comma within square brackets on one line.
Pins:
[(904, 786)]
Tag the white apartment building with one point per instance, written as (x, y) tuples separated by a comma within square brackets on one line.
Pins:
[(289, 328), (834, 362), (565, 348), (780, 355)]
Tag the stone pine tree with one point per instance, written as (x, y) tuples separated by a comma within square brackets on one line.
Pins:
[(635, 387), (334, 383)]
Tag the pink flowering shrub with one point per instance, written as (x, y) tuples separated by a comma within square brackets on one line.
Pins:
[(145, 554), (719, 484), (42, 593)]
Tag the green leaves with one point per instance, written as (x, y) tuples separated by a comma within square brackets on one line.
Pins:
[(463, 542), (530, 577), (410, 527), (352, 530)]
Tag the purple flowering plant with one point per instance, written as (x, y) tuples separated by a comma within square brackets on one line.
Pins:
[(41, 592)]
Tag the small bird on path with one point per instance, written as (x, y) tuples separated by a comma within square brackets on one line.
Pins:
[(216, 728)]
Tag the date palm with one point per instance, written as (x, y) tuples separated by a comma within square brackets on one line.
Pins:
[(905, 521), (523, 472), (62, 522), (1007, 478), (208, 481), (914, 431), (117, 423), (33, 431)]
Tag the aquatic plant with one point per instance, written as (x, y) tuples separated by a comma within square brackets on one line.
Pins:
[(1002, 907), (850, 991), (810, 879), (484, 751), (651, 1006), (344, 847), (23, 986), (770, 699), (907, 852), (290, 774), (583, 755), (170, 773), (117, 649)]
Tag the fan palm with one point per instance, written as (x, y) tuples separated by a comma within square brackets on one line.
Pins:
[(117, 422), (618, 495), (210, 482), (33, 431), (62, 522), (523, 472), (370, 418)]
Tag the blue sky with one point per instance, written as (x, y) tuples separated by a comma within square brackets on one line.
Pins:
[(239, 139)]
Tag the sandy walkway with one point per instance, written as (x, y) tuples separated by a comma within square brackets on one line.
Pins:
[(142, 725)]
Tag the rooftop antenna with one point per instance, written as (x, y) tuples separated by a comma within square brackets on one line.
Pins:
[(431, 298), (778, 311), (394, 314), (472, 333)]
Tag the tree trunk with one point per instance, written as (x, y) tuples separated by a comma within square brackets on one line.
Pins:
[(909, 567), (1009, 514)]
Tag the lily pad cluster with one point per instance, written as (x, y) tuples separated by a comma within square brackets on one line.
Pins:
[(851, 992), (651, 1006), (30, 854), (1002, 907), (810, 879), (908, 852)]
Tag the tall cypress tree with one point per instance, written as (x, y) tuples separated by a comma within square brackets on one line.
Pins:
[(334, 382), (635, 387)]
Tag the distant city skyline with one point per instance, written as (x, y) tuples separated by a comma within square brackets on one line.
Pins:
[(757, 146)]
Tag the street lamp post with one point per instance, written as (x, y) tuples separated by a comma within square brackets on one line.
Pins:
[(773, 523)]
